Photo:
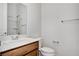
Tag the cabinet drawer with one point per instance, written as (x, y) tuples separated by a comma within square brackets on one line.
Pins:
[(21, 50), (33, 53)]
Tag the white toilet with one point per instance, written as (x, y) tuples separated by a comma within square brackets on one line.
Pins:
[(45, 51)]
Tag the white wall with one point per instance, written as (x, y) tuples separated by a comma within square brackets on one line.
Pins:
[(53, 29), (33, 19), (3, 18)]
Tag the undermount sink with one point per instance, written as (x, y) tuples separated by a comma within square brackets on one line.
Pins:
[(16, 41), (11, 39)]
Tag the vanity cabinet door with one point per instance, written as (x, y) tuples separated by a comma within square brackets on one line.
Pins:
[(33, 53), (22, 50)]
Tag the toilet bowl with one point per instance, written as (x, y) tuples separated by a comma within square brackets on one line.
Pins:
[(46, 51)]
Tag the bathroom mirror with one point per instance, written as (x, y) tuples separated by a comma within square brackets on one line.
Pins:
[(16, 19)]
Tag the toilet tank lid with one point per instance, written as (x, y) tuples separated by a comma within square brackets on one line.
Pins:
[(47, 49)]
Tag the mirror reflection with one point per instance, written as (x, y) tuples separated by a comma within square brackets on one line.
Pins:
[(16, 19)]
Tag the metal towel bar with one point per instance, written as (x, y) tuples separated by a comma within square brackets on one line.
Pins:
[(62, 21)]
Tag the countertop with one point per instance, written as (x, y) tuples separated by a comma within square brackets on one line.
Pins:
[(16, 43)]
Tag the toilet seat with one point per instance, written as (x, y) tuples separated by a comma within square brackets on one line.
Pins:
[(47, 50)]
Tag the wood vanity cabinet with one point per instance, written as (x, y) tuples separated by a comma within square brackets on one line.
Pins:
[(33, 53), (26, 50)]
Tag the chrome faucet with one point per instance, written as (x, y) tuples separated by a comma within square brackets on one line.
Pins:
[(15, 38)]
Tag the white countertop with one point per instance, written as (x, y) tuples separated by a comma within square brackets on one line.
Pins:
[(16, 43)]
